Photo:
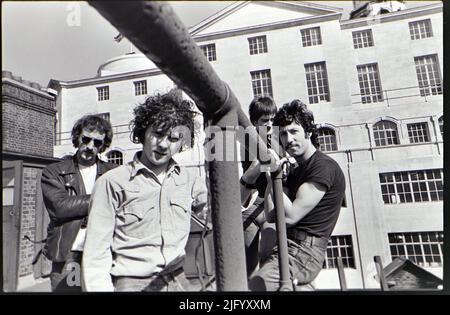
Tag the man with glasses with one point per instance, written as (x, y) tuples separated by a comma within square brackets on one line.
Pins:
[(139, 217), (66, 188)]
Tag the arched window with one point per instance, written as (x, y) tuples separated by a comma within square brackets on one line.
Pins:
[(441, 125), (385, 133), (115, 157), (327, 139)]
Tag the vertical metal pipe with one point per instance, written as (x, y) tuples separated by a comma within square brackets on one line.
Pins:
[(231, 274), (283, 257), (341, 274), (380, 272)]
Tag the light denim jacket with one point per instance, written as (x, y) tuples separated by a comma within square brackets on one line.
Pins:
[(138, 226)]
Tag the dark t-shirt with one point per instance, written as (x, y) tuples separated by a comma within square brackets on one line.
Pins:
[(322, 169)]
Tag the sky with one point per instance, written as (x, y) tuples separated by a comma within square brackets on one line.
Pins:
[(69, 40)]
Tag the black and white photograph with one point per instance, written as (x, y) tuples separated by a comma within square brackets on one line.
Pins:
[(223, 146)]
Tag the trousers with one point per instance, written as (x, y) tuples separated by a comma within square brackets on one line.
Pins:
[(305, 262)]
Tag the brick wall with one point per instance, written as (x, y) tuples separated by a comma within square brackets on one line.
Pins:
[(27, 220), (27, 121)]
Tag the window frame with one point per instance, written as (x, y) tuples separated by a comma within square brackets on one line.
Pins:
[(138, 89), (333, 146), (340, 246), (418, 246), (114, 159), (418, 135), (258, 83), (309, 38), (390, 136), (102, 93), (369, 82), (362, 39), (317, 84), (257, 45), (420, 31), (412, 186), (209, 50), (429, 75)]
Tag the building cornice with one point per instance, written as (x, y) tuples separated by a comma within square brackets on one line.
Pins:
[(28, 158), (268, 27), (28, 88), (106, 79), (300, 6), (393, 16), (15, 101)]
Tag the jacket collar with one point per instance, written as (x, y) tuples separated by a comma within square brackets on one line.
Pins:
[(70, 166)]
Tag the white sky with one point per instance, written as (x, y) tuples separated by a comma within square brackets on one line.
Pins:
[(38, 43)]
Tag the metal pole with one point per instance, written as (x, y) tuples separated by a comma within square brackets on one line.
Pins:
[(283, 257), (158, 33), (380, 272), (341, 273)]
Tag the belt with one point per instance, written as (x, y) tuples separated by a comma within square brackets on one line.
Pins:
[(300, 236)]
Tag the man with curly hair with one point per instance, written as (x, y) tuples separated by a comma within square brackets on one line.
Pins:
[(140, 213), (313, 195), (66, 189)]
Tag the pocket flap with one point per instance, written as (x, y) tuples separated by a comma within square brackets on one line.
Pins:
[(137, 210)]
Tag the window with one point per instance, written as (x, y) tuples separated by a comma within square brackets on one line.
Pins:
[(420, 29), (327, 139), (257, 45), (418, 132), (369, 83), (317, 82), (311, 36), (103, 93), (261, 83), (441, 126), (140, 87), (428, 75), (209, 51), (340, 246), (423, 248), (362, 39), (103, 115), (115, 157), (385, 133), (412, 186)]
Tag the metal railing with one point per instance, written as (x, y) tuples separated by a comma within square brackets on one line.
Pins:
[(392, 96)]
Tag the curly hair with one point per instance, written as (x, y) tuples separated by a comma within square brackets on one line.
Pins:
[(164, 111), (296, 111), (91, 123), (260, 106)]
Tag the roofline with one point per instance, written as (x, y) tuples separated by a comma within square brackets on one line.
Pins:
[(238, 5), (28, 88), (105, 79), (268, 26), (413, 12)]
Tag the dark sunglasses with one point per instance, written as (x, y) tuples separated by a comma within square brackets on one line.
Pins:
[(87, 140)]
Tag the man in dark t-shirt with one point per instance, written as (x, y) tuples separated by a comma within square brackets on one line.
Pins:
[(313, 195)]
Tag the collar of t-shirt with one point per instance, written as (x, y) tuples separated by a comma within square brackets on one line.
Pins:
[(88, 173)]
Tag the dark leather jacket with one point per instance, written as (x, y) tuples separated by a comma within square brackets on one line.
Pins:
[(67, 205)]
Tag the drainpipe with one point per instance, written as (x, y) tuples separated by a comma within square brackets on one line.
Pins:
[(349, 161), (158, 33)]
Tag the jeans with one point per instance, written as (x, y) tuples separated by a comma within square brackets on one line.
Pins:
[(259, 239), (305, 263), (158, 283), (66, 276)]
